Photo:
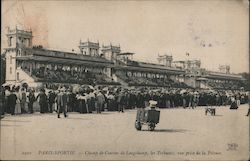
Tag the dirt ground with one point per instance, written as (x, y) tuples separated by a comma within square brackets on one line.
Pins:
[(182, 134)]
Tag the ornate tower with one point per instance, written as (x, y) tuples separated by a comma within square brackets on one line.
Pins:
[(165, 60), (110, 52), (224, 69), (89, 48), (17, 39)]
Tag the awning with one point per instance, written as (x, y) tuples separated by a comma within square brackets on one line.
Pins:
[(201, 79), (65, 61), (147, 69)]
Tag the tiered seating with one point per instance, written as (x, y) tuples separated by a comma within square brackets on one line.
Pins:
[(62, 76), (104, 79), (158, 82), (225, 85), (136, 81)]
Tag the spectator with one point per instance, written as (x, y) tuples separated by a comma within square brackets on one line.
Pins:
[(23, 100), (62, 100), (42, 101), (51, 100), (120, 101), (12, 102), (100, 101), (32, 99)]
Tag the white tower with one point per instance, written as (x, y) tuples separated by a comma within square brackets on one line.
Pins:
[(17, 39)]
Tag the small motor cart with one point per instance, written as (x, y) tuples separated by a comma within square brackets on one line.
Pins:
[(149, 116)]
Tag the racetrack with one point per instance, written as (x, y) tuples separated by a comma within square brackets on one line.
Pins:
[(181, 134)]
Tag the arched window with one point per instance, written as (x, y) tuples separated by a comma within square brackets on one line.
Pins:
[(10, 41), (17, 75)]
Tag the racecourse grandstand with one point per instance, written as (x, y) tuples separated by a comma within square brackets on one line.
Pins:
[(44, 65), (36, 65)]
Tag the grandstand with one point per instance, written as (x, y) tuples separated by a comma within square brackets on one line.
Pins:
[(36, 65)]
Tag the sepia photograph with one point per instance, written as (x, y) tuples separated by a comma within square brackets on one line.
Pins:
[(125, 80)]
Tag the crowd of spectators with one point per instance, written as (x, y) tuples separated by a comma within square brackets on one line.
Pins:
[(65, 76), (89, 99), (229, 85), (153, 82)]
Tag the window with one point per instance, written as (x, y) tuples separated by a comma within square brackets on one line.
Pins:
[(17, 76), (10, 41), (29, 42), (18, 52), (10, 70)]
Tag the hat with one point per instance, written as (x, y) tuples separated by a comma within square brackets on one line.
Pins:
[(152, 103), (63, 89)]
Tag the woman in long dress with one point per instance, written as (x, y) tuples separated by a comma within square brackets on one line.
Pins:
[(42, 101), (233, 103)]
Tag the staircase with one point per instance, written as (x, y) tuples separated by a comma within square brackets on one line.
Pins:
[(119, 80), (24, 76)]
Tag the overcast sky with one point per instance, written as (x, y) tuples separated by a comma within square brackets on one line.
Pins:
[(216, 32)]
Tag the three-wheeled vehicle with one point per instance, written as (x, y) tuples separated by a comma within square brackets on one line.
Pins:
[(149, 116)]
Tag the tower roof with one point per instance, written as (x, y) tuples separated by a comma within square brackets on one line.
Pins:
[(16, 31), (89, 44), (112, 48)]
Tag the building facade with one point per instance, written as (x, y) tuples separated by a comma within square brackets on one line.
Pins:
[(105, 65)]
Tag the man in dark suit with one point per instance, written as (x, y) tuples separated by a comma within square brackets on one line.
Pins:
[(42, 101), (139, 101), (32, 99), (52, 97), (12, 102), (62, 99)]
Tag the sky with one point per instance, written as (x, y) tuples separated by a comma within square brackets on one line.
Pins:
[(213, 31)]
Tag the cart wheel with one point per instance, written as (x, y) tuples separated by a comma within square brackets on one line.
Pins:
[(151, 126), (137, 125)]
